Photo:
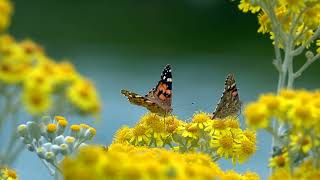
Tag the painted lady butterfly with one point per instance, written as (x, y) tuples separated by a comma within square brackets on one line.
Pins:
[(229, 104), (158, 100)]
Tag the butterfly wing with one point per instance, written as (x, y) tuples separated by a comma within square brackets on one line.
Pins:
[(229, 104), (159, 99)]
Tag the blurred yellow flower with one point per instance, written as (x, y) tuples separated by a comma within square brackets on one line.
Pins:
[(8, 174), (280, 161), (123, 135), (257, 115), (36, 102), (245, 6), (93, 162), (300, 143), (83, 95), (5, 14)]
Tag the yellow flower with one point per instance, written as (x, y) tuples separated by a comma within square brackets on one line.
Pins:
[(140, 135), (66, 72), (83, 95), (231, 175), (300, 142), (232, 123), (271, 102), (245, 7), (123, 135), (257, 115), (281, 174), (188, 131), (31, 48), (51, 127), (14, 66), (8, 174), (264, 22), (40, 80), (226, 144), (280, 161), (294, 5), (5, 15), (199, 119), (251, 135), (247, 148), (216, 126), (36, 102), (120, 162), (301, 115)]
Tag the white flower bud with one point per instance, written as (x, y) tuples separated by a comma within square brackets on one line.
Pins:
[(22, 130), (59, 140), (41, 152), (34, 130)]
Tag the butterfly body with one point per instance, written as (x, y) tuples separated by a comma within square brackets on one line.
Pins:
[(229, 104), (159, 99)]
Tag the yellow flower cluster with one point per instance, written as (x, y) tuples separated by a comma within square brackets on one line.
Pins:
[(5, 14), (217, 137), (46, 84), (8, 174), (305, 171), (299, 111), (297, 17), (121, 161), (298, 108)]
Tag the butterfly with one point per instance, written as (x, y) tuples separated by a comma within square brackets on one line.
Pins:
[(159, 99), (229, 104)]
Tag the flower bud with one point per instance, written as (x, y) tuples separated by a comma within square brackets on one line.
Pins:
[(22, 130), (33, 129), (55, 149), (59, 140), (51, 131), (62, 124), (309, 55), (64, 148), (49, 156), (41, 152), (75, 130), (90, 133)]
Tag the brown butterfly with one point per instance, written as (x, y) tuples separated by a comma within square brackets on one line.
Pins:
[(159, 99), (229, 104)]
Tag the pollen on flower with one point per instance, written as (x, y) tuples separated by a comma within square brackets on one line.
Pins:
[(51, 127), (85, 126), (57, 118), (201, 117), (62, 122), (226, 141), (75, 127), (93, 131)]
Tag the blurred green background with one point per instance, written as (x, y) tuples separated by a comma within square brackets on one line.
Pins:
[(125, 44)]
